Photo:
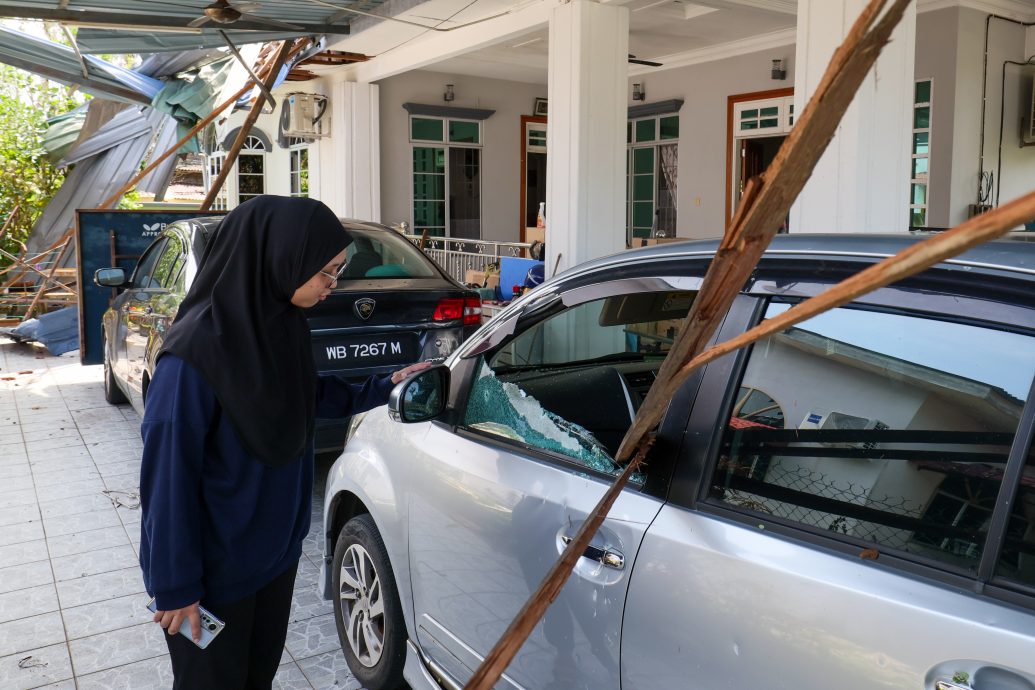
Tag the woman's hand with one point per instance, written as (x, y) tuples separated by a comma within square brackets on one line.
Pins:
[(172, 620), (401, 375)]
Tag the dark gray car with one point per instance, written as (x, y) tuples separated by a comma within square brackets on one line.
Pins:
[(849, 503), (392, 307)]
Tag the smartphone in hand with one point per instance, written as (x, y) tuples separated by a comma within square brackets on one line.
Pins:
[(210, 625)]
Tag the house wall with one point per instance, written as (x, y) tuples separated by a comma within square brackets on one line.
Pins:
[(705, 88), (501, 165), (278, 163)]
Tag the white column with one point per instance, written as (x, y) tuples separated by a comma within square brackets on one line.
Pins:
[(862, 181), (350, 158), (585, 169)]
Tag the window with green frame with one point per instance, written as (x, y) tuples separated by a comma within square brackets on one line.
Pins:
[(920, 163), (449, 171), (651, 171)]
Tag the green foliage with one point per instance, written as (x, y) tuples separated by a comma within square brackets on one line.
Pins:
[(26, 177)]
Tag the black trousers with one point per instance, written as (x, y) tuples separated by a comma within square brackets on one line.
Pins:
[(246, 654)]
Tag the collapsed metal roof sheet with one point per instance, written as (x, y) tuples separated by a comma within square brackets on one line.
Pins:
[(96, 178), (161, 65), (126, 125), (142, 41), (60, 63), (159, 25)]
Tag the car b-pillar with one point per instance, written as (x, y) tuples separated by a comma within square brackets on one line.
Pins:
[(588, 109)]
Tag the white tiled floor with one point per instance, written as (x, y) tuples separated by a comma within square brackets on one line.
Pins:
[(72, 603)]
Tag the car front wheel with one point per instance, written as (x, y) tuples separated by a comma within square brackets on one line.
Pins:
[(366, 606), (112, 393)]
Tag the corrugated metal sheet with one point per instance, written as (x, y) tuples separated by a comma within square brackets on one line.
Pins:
[(310, 16), (166, 64), (96, 178), (135, 41), (128, 124), (60, 64)]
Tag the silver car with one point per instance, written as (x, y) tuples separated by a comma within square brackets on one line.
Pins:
[(849, 504)]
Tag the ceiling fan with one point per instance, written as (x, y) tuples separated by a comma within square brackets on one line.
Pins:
[(633, 59), (222, 12)]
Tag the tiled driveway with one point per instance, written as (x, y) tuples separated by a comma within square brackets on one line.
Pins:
[(72, 603)]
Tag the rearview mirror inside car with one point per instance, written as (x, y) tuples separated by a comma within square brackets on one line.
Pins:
[(420, 397), (110, 277)]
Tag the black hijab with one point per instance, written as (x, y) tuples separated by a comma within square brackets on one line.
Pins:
[(237, 325)]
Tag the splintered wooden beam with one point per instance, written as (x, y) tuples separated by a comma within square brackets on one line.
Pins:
[(246, 127), (764, 207)]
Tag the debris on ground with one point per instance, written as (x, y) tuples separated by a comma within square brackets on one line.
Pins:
[(123, 499), (31, 662)]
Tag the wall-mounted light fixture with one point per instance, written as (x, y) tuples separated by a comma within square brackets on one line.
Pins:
[(448, 95), (639, 93), (779, 71)]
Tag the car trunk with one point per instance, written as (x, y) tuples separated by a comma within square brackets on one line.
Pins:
[(377, 326)]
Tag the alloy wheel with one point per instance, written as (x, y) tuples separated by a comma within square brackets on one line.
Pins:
[(362, 607)]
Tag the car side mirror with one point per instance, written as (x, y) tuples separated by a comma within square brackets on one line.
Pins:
[(420, 397), (110, 277)]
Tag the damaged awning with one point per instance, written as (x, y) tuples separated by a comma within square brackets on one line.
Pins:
[(61, 64), (141, 41), (103, 164), (149, 26)]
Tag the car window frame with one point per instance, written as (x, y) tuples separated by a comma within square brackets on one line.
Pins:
[(530, 312), (173, 243), (707, 424), (154, 249)]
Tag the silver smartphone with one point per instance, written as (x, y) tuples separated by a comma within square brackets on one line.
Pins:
[(210, 625)]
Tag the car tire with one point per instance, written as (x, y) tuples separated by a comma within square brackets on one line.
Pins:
[(367, 611), (112, 393)]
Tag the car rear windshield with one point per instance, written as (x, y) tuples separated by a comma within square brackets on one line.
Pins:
[(384, 253)]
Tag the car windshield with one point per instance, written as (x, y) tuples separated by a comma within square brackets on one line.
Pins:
[(376, 253)]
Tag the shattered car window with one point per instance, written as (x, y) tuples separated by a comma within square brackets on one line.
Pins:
[(503, 409), (572, 382)]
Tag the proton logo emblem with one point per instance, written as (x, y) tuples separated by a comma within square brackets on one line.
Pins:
[(364, 307)]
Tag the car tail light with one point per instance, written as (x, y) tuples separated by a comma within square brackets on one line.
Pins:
[(473, 311), (453, 308)]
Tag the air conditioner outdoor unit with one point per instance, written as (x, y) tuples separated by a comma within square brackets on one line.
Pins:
[(304, 115), (843, 422)]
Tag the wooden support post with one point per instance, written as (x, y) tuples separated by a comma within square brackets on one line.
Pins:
[(50, 277), (231, 155)]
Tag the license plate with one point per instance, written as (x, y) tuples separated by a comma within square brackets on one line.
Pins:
[(364, 351)]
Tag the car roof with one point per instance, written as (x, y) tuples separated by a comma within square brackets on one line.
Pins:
[(1013, 253)]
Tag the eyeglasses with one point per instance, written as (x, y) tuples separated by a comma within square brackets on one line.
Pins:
[(335, 277)]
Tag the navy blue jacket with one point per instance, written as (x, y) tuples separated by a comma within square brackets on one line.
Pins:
[(218, 524)]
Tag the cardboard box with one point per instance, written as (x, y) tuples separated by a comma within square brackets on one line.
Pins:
[(492, 280), (533, 235), (473, 277)]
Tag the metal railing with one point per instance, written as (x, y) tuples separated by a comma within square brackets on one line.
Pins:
[(457, 256)]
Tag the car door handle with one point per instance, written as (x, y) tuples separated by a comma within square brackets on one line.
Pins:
[(606, 557)]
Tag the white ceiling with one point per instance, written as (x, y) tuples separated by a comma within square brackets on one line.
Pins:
[(657, 29), (673, 32)]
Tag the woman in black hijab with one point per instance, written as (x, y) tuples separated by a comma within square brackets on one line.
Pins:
[(227, 474)]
